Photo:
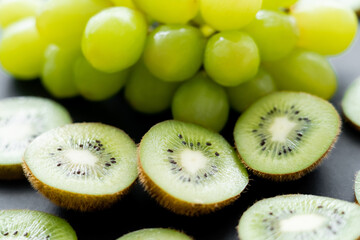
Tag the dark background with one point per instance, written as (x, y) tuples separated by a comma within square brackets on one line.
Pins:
[(334, 178)]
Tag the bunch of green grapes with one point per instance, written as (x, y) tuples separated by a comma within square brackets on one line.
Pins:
[(199, 58)]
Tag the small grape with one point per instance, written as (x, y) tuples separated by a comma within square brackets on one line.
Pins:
[(174, 52), (306, 71), (242, 96), (201, 101), (276, 4), (57, 73), (114, 39), (15, 10), (231, 58), (124, 3), (22, 49), (146, 93), (229, 14)]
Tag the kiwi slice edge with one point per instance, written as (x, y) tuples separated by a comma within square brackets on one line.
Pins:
[(155, 233)]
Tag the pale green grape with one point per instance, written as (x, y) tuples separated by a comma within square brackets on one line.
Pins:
[(242, 96), (146, 93), (57, 73), (231, 58), (169, 11), (229, 14), (22, 49), (174, 52), (325, 27), (95, 85), (201, 101), (124, 3), (14, 10), (114, 39), (62, 22), (305, 71), (276, 4), (275, 34)]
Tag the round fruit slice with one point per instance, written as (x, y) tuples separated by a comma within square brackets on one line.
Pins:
[(189, 169), (84, 166), (21, 120), (27, 224), (155, 233), (300, 217), (357, 187), (351, 104), (285, 135)]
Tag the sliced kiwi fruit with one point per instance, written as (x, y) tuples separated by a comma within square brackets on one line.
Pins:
[(188, 169), (155, 234), (82, 166), (285, 135), (28, 224), (21, 120), (357, 187), (351, 104), (300, 217)]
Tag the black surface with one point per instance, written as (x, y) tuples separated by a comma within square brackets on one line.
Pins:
[(334, 178)]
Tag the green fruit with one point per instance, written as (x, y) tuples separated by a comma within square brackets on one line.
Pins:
[(351, 103), (155, 233)]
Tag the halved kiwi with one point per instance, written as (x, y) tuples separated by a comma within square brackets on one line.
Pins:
[(82, 166), (285, 135), (351, 103), (300, 217), (357, 187), (21, 120), (189, 169), (28, 224), (155, 233)]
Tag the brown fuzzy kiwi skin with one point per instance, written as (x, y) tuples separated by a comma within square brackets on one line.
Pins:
[(74, 201), (11, 172), (351, 123)]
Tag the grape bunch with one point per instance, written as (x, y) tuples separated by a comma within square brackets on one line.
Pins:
[(199, 57)]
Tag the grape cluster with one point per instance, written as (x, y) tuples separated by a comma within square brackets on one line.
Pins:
[(200, 57)]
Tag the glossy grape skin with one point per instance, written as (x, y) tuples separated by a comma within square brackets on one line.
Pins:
[(229, 14), (169, 11), (62, 22), (15, 10), (114, 39), (231, 58), (325, 27), (275, 34), (174, 52), (146, 93), (305, 71), (276, 4), (57, 73), (201, 101), (22, 49), (242, 96), (124, 3)]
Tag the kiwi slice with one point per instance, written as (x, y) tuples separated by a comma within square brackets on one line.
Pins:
[(21, 120), (285, 135), (155, 233), (82, 166), (189, 169), (357, 187), (300, 217), (28, 224), (351, 104)]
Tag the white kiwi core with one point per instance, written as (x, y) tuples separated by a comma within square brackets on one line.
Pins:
[(81, 157), (302, 223), (281, 128), (192, 161), (15, 132)]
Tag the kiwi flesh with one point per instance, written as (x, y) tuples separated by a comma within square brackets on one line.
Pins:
[(285, 135), (82, 166), (189, 169), (301, 217), (357, 187), (155, 233), (21, 120), (28, 224), (351, 104)]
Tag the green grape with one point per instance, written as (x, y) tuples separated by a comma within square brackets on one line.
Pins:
[(276, 4), (174, 52), (124, 3), (146, 93), (231, 58), (62, 22), (114, 39), (242, 96), (229, 14), (201, 101), (169, 11), (325, 27), (57, 73), (95, 85), (14, 10), (275, 34), (22, 49), (305, 71)]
